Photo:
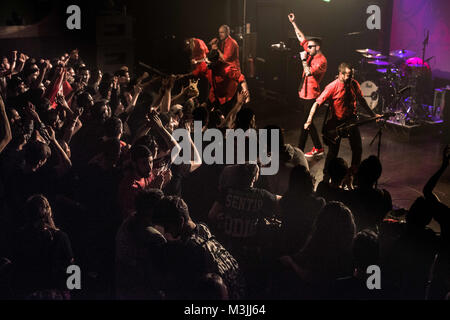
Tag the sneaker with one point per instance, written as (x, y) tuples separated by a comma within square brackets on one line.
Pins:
[(319, 152), (314, 152)]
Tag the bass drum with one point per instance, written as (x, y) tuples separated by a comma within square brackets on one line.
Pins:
[(370, 92)]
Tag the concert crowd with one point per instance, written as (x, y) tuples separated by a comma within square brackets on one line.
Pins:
[(88, 177)]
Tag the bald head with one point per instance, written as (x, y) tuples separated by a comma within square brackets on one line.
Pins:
[(224, 32)]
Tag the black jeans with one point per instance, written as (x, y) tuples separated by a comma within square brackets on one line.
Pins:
[(305, 107), (355, 145)]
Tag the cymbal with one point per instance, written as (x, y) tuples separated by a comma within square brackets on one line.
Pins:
[(402, 53), (368, 51), (379, 62), (374, 56)]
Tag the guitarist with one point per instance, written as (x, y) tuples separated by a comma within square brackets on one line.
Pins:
[(343, 93)]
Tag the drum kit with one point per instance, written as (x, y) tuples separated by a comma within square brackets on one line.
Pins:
[(394, 83)]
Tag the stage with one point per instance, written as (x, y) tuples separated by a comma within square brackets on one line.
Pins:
[(407, 164)]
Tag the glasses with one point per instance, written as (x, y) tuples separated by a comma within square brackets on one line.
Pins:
[(310, 47)]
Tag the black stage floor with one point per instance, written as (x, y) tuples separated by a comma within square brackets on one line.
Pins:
[(407, 165)]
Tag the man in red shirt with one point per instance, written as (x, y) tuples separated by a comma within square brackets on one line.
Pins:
[(223, 79), (228, 50), (344, 93), (314, 68), (137, 179), (142, 175)]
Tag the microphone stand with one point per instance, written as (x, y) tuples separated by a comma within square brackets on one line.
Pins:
[(380, 132), (378, 135)]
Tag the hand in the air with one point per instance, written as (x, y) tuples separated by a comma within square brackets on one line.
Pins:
[(291, 17)]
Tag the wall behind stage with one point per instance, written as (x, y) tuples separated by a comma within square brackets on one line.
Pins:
[(409, 20)]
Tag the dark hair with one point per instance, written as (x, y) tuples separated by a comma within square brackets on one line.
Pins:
[(30, 69), (247, 172), (366, 249), (332, 236), (149, 141), (369, 171), (419, 215), (169, 212), (96, 109), (120, 73), (113, 127), (214, 119), (38, 213), (139, 152), (83, 99), (146, 201), (301, 181), (317, 41), (35, 152), (210, 286), (200, 114), (337, 169), (111, 150), (14, 82), (244, 118), (343, 66)]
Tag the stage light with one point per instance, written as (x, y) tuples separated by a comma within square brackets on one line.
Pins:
[(327, 0)]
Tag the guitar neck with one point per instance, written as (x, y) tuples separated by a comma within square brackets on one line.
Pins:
[(362, 122)]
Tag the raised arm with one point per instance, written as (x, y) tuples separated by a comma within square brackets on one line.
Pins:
[(171, 143), (431, 184), (298, 32), (137, 90), (64, 164), (19, 66), (231, 116), (168, 84), (44, 70)]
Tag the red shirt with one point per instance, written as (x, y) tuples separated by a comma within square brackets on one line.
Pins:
[(230, 50), (200, 50), (129, 187), (318, 66), (335, 91), (223, 81)]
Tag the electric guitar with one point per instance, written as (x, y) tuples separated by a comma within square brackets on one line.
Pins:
[(335, 129)]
